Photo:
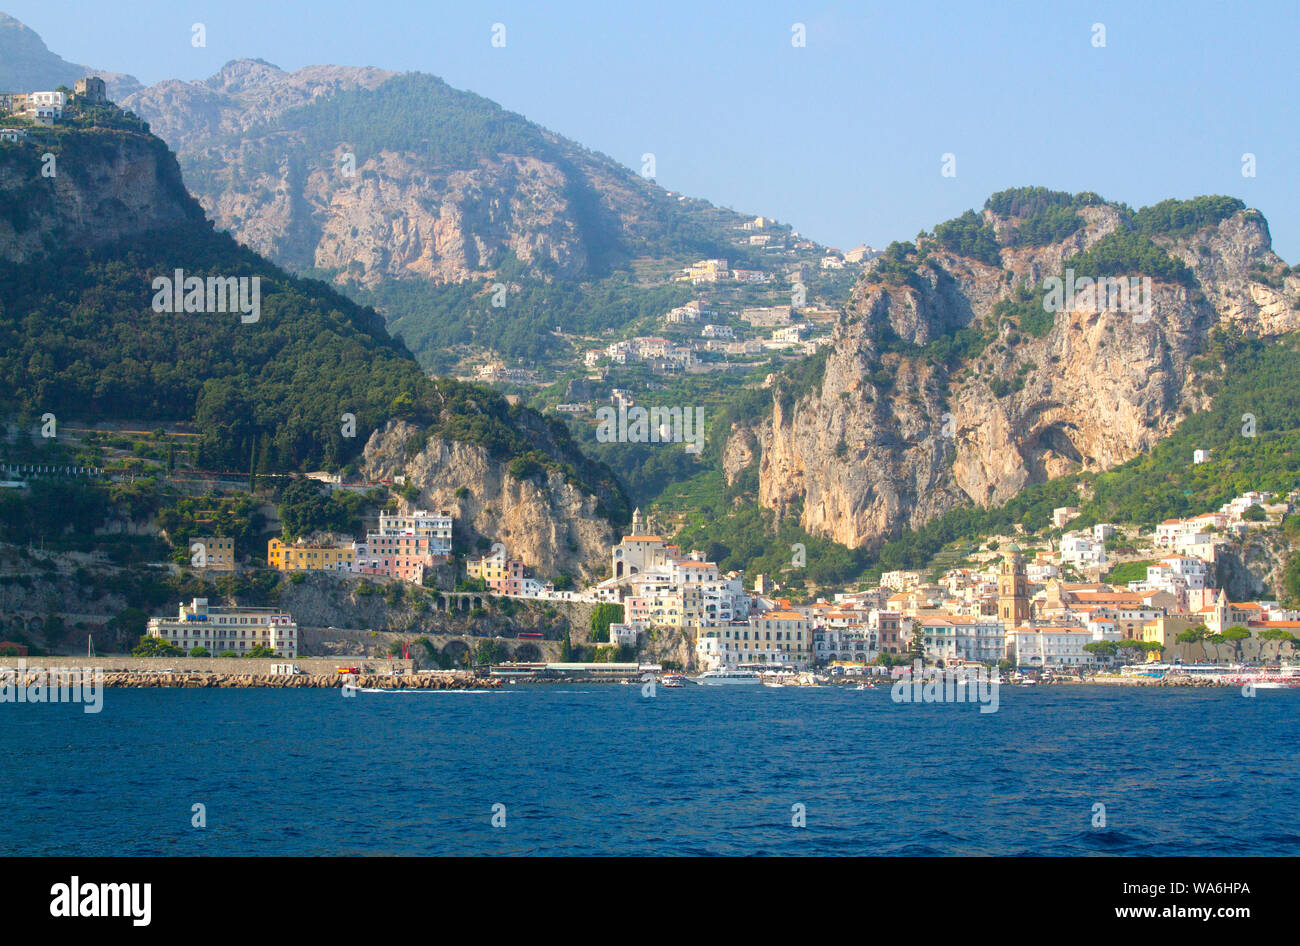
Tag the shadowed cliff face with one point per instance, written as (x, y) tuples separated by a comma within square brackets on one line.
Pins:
[(97, 188), (890, 440)]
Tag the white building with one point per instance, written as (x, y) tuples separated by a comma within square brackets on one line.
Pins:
[(421, 522), (47, 100), (1104, 629), (1040, 573), (622, 635), (952, 637), (1044, 647), (853, 642), (899, 580), (220, 629), (1082, 550), (1062, 515)]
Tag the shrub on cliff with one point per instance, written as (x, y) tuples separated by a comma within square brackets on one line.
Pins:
[(601, 618)]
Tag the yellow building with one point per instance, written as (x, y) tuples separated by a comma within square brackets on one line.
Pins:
[(1165, 630), (657, 609), (213, 552), (706, 270), (494, 570), (293, 558), (774, 637)]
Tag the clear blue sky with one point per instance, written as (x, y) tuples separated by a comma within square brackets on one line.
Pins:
[(842, 138)]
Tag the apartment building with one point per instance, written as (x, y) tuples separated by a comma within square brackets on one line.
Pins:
[(220, 629), (301, 556), (887, 629), (395, 555), (953, 637), (1049, 647), (781, 638), (422, 523)]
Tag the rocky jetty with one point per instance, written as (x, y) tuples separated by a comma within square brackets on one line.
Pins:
[(1169, 680), (242, 681)]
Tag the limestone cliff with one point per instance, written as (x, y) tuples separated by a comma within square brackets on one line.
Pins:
[(99, 186), (373, 176), (899, 429), (544, 520)]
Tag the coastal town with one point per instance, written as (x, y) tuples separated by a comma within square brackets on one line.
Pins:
[(1076, 600), (1033, 611)]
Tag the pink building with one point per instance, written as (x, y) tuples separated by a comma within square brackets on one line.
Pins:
[(403, 556)]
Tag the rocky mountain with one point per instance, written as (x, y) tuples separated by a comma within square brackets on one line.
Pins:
[(101, 185), (82, 335), (27, 65), (370, 175), (542, 518), (959, 375)]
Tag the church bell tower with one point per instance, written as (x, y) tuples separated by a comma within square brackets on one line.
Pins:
[(1013, 589)]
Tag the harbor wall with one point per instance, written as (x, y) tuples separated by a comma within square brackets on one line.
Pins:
[(257, 666)]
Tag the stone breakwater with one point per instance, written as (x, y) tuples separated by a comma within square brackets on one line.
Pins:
[(242, 681), (1180, 680)]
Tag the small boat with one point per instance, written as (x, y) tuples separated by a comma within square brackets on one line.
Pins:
[(672, 680), (729, 678), (1270, 685)]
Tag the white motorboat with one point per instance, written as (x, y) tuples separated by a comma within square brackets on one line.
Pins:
[(729, 678)]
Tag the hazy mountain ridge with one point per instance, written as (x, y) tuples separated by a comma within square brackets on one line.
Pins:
[(27, 65), (381, 176)]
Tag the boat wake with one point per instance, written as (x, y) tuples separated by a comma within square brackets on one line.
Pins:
[(384, 690)]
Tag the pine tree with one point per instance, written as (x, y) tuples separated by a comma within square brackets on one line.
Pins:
[(916, 647)]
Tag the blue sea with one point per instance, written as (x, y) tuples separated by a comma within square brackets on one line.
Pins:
[(602, 770)]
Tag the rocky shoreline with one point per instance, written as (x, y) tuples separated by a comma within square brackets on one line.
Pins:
[(243, 681), (1166, 681)]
